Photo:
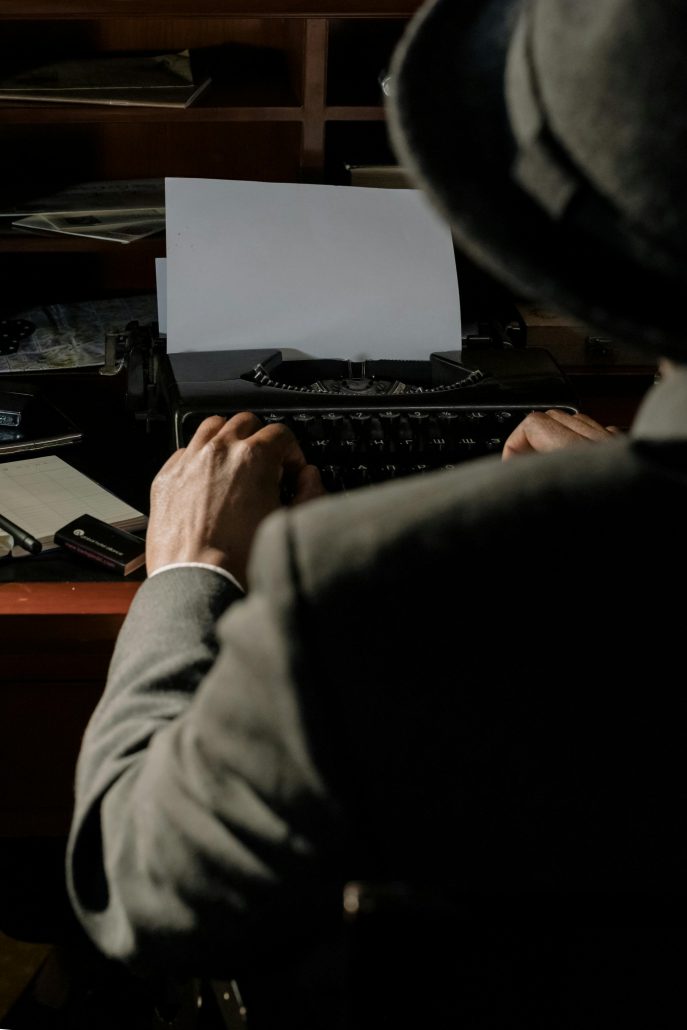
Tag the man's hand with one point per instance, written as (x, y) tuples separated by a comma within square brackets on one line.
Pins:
[(209, 498), (552, 431)]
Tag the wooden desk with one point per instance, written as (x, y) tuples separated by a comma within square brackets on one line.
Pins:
[(56, 640)]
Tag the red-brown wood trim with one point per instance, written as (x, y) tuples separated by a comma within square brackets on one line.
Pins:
[(22, 599)]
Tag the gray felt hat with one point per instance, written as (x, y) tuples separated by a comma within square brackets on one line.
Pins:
[(553, 136)]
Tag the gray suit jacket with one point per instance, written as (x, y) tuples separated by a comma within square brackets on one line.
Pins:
[(469, 676)]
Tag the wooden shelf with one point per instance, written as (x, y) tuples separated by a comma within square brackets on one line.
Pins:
[(73, 114), (354, 114), (281, 74), (18, 242)]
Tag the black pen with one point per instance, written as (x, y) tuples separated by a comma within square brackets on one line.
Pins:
[(20, 536)]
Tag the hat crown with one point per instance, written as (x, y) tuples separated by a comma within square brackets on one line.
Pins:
[(552, 134), (609, 77)]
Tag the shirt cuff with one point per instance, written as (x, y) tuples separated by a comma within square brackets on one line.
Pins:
[(198, 565)]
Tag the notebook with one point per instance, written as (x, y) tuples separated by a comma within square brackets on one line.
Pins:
[(43, 494)]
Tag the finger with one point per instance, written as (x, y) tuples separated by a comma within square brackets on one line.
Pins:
[(568, 418), (274, 445), (309, 485), (538, 432), (583, 425), (615, 430), (238, 427), (205, 432), (242, 425), (516, 444), (280, 446)]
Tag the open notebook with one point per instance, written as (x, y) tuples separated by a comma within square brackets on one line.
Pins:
[(43, 494)]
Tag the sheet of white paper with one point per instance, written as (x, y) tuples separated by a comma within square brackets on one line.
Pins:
[(326, 271), (161, 284)]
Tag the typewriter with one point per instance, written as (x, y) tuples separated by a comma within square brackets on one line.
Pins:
[(368, 421)]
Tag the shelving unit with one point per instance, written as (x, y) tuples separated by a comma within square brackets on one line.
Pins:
[(294, 97)]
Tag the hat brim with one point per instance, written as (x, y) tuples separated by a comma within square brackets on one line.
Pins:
[(450, 128)]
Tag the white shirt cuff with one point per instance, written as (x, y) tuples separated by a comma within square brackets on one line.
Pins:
[(198, 565)]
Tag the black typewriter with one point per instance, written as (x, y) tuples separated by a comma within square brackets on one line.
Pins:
[(369, 421)]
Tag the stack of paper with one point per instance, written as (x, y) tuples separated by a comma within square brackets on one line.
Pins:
[(43, 494), (94, 195), (119, 210), (117, 225)]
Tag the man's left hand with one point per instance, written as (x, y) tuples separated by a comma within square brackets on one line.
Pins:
[(554, 430)]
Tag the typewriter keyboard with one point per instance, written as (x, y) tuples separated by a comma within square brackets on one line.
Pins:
[(356, 448)]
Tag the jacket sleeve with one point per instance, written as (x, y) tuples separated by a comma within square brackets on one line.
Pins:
[(200, 815)]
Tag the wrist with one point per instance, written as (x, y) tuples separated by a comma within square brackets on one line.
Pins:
[(209, 556), (216, 570)]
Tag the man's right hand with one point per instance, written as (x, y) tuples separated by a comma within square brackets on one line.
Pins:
[(209, 498), (543, 431)]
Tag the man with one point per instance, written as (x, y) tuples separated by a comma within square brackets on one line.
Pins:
[(466, 677)]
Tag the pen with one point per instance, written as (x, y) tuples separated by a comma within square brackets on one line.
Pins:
[(20, 536)]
